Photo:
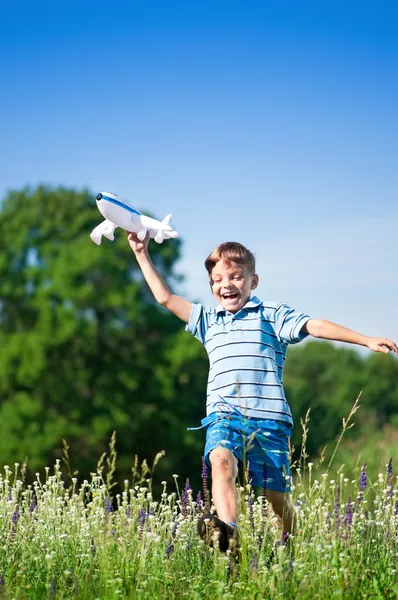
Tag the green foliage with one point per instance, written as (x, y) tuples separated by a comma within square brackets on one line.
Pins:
[(85, 348), (327, 379)]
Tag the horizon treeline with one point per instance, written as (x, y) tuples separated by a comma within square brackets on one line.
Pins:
[(86, 350)]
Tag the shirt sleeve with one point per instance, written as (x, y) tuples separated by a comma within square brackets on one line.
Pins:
[(289, 324), (198, 322)]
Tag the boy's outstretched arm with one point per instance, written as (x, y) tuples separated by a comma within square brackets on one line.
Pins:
[(177, 305), (331, 331)]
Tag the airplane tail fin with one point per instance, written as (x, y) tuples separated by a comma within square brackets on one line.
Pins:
[(166, 220)]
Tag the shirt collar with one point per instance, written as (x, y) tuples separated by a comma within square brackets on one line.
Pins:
[(252, 303)]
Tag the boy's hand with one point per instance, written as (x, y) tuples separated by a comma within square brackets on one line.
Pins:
[(381, 345), (136, 245)]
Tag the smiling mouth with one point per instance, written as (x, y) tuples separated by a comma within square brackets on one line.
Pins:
[(229, 296)]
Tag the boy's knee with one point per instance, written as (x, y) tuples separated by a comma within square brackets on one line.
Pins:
[(223, 463)]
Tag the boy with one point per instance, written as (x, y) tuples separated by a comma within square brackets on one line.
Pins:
[(247, 412)]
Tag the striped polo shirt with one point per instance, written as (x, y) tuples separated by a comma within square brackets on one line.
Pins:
[(247, 352)]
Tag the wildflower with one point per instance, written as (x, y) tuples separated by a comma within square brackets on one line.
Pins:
[(265, 499), (254, 562), (389, 479), (170, 547), (396, 508), (336, 508), (199, 503), (285, 537), (362, 484), (141, 522), (16, 515), (14, 519), (206, 493), (363, 478), (185, 498), (128, 513), (250, 504), (348, 513), (108, 504), (329, 522)]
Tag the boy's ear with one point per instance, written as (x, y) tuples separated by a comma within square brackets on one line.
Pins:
[(254, 282)]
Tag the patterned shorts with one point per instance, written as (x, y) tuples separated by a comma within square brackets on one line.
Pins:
[(254, 442)]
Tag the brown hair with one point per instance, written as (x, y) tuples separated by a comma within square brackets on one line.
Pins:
[(231, 251)]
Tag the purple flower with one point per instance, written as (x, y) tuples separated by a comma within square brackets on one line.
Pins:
[(250, 504), (285, 537), (348, 513), (16, 515), (32, 506), (389, 479), (141, 522), (169, 549), (174, 531), (14, 519), (128, 512), (363, 478), (206, 493), (396, 508), (254, 562), (185, 499), (362, 484), (199, 503), (265, 500), (108, 504), (1, 580), (336, 508)]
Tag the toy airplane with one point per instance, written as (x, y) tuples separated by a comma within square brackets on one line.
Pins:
[(119, 213)]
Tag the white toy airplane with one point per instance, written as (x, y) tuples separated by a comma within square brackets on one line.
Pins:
[(119, 213)]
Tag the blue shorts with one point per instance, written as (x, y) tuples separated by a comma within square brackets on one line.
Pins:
[(253, 442)]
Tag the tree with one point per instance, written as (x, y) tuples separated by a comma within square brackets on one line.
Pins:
[(85, 348), (327, 379)]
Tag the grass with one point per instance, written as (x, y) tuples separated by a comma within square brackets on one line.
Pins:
[(65, 539)]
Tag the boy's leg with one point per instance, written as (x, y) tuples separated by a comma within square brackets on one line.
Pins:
[(224, 471), (283, 506)]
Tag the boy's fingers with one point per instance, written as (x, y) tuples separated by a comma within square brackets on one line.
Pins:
[(391, 345)]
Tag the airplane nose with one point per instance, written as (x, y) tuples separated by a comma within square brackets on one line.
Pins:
[(99, 196)]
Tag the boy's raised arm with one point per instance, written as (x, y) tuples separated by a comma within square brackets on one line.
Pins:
[(177, 305), (331, 331)]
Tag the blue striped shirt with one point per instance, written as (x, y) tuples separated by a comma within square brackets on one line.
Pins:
[(247, 352)]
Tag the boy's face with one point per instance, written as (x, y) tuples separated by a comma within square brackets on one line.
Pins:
[(231, 284)]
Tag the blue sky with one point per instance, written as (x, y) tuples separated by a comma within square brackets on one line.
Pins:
[(270, 123)]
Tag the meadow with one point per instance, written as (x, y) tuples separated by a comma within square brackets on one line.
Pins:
[(65, 539)]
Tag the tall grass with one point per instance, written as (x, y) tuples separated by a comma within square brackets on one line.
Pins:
[(65, 539)]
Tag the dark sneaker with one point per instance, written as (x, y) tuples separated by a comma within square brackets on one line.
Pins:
[(210, 529)]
